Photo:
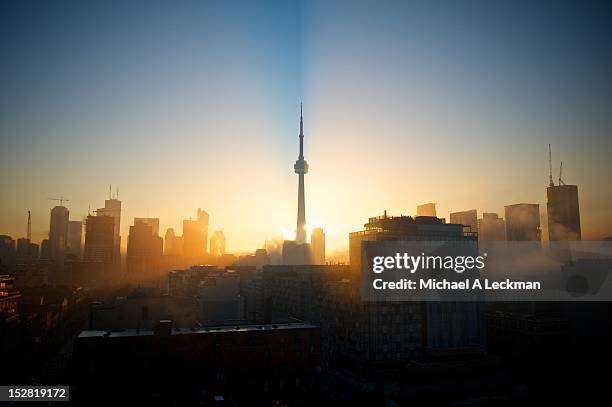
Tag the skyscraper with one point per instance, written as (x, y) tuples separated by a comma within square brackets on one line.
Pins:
[(563, 212), (58, 234), (173, 245), (217, 244), (112, 208), (523, 222), (75, 233), (301, 168), (100, 239), (195, 235), (153, 222), (317, 246), (144, 249)]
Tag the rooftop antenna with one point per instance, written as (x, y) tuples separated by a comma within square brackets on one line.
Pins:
[(560, 174), (29, 232), (550, 179), (110, 194)]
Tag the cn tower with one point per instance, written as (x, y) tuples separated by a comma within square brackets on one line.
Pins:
[(301, 168)]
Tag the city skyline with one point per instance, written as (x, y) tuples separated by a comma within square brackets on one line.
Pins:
[(398, 114)]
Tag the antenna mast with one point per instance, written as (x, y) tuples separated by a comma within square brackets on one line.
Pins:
[(550, 179), (560, 174), (29, 233)]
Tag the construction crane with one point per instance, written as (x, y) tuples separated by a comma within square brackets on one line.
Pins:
[(560, 174), (550, 179), (29, 232), (61, 200)]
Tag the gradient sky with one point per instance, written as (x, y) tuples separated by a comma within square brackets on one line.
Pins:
[(195, 104)]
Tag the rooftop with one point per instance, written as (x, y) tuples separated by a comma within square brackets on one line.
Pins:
[(207, 329)]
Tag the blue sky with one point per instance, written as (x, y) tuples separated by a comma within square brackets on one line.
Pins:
[(194, 104)]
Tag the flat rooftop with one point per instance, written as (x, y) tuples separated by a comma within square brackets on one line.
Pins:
[(207, 329)]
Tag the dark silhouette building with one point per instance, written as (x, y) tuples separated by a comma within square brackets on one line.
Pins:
[(144, 249), (112, 208), (58, 234), (563, 212), (247, 362), (317, 246), (75, 235), (100, 239), (523, 222), (491, 227)]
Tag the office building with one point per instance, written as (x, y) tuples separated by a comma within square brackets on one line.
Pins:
[(466, 218), (100, 239), (249, 364), (58, 234), (217, 244), (195, 235), (317, 246), (153, 222), (144, 249), (424, 228), (173, 245), (112, 208), (563, 212), (491, 227), (75, 234), (523, 222), (428, 209), (295, 253)]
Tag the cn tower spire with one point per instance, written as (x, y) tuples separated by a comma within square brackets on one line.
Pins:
[(301, 156), (301, 168)]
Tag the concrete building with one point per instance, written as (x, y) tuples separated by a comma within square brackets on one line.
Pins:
[(7, 249), (217, 291), (523, 222), (26, 250), (45, 250), (563, 213), (295, 253), (143, 308), (422, 228), (428, 209), (466, 218), (491, 228), (317, 246), (249, 364)]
